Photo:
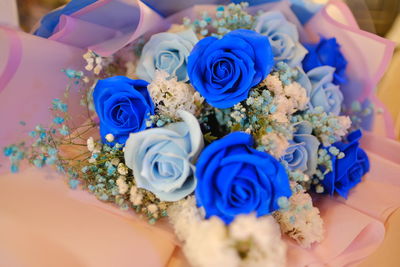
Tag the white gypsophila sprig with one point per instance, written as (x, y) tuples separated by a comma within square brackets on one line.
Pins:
[(276, 143), (182, 214), (301, 220), (287, 98), (169, 96), (206, 242), (135, 196), (90, 144), (344, 126), (247, 241), (263, 238), (122, 169), (93, 62), (123, 187)]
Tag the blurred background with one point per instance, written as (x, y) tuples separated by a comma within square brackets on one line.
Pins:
[(377, 16), (30, 11)]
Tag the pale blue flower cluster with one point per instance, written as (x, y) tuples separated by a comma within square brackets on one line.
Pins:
[(227, 18), (15, 153), (325, 126), (361, 114), (73, 74), (58, 105), (259, 104)]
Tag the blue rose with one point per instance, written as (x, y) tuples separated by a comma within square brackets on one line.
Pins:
[(302, 154), (283, 37), (123, 106), (162, 158), (347, 172), (49, 22), (224, 70), (326, 52), (233, 178), (324, 93), (167, 52)]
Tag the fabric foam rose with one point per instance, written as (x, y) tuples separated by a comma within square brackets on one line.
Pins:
[(283, 36), (302, 154), (123, 106), (326, 52), (348, 171), (324, 93), (168, 52), (162, 158), (224, 70), (233, 178), (303, 80)]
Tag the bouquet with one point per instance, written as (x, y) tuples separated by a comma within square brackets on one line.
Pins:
[(232, 121)]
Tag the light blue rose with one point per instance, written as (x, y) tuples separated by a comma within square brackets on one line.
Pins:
[(162, 158), (302, 154), (324, 93), (168, 52), (283, 36), (303, 80)]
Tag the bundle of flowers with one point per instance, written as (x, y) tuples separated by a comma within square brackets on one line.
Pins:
[(227, 123)]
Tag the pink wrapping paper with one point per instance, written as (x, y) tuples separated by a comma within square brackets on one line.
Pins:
[(107, 25), (30, 77), (44, 223), (363, 70), (41, 224)]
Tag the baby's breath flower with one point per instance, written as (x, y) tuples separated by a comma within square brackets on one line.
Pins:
[(122, 185), (115, 161), (135, 196), (300, 220), (275, 143), (93, 62), (64, 130), (319, 189), (247, 241), (90, 144), (152, 208), (110, 137), (122, 169), (169, 96)]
